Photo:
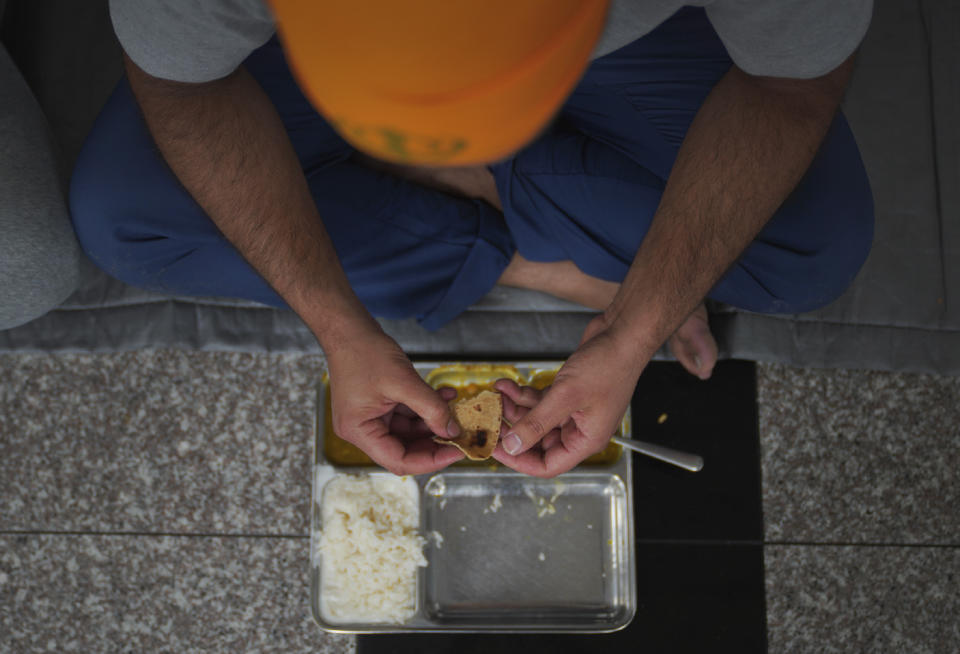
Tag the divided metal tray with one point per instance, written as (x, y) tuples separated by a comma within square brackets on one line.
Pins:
[(514, 553)]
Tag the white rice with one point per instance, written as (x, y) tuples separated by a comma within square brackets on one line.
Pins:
[(370, 549)]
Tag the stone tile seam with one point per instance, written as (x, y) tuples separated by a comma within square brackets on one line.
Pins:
[(863, 544), (639, 541), (215, 534), (196, 534), (149, 534)]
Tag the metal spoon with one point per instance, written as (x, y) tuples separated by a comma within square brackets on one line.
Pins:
[(691, 462)]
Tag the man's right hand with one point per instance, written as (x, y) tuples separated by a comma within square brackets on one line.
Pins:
[(381, 405)]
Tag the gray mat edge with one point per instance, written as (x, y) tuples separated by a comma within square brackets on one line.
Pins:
[(770, 339)]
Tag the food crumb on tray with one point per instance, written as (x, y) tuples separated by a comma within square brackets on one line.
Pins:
[(495, 505), (543, 505), (436, 486)]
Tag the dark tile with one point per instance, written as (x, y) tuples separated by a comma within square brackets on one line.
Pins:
[(716, 419), (694, 598), (691, 598)]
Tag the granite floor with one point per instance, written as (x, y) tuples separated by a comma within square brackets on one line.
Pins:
[(860, 497), (157, 501)]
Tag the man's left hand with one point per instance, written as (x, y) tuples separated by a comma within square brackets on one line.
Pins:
[(578, 414)]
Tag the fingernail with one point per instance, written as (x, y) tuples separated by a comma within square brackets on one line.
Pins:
[(453, 429), (697, 362), (511, 443)]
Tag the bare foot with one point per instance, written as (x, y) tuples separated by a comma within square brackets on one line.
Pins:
[(694, 346), (561, 279)]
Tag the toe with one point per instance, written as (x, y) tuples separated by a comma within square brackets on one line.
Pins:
[(694, 346)]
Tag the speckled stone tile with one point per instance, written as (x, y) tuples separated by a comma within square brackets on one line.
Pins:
[(863, 599), (158, 594), (157, 441), (854, 456)]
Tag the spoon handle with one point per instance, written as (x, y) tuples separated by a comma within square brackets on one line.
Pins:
[(691, 462)]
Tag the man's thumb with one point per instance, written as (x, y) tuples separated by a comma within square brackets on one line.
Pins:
[(531, 428), (427, 403)]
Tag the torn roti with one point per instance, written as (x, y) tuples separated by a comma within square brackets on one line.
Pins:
[(479, 419)]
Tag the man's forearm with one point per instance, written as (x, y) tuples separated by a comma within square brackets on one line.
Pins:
[(227, 146), (748, 147)]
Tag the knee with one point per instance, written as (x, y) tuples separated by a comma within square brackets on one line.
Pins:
[(811, 280), (110, 191), (827, 226), (97, 215), (110, 228)]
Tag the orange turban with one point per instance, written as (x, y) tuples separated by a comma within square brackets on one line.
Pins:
[(438, 82)]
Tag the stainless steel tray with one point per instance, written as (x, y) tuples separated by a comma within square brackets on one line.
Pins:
[(518, 554)]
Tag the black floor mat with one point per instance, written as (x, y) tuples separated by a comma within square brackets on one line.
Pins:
[(699, 535)]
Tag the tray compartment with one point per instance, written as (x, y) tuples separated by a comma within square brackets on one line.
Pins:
[(553, 552)]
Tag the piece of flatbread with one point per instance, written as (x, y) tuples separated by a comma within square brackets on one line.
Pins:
[(479, 419)]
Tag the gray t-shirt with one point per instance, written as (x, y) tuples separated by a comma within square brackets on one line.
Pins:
[(203, 40)]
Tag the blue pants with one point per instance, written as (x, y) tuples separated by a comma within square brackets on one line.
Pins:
[(585, 190)]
